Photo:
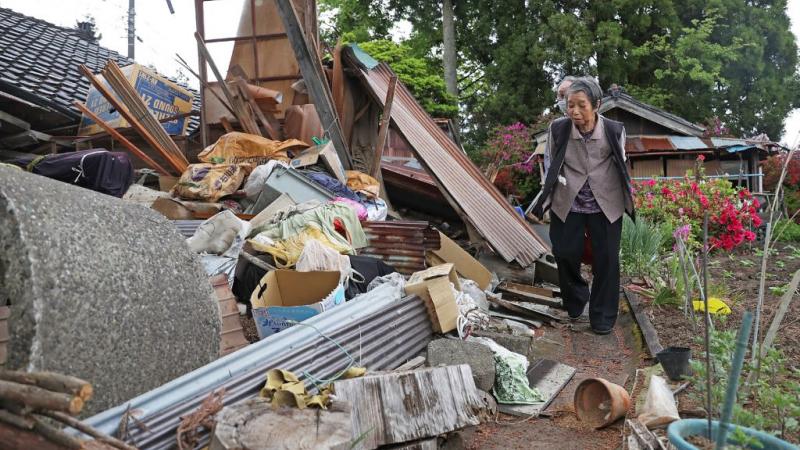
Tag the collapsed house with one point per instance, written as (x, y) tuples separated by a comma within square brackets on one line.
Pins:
[(285, 190)]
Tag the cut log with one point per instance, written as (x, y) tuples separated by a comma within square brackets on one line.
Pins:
[(255, 425), (51, 381), (13, 438), (392, 408), (38, 398)]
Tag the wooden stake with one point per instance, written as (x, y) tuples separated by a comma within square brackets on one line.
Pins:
[(84, 428), (122, 139), (384, 129), (38, 398), (226, 124)]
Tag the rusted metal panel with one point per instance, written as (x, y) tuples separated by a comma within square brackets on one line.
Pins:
[(379, 333), (481, 202), (401, 244)]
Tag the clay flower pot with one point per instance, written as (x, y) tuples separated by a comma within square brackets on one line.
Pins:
[(600, 402)]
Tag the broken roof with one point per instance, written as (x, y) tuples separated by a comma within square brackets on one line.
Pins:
[(456, 175), (39, 64)]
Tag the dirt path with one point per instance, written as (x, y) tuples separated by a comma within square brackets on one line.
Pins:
[(614, 357)]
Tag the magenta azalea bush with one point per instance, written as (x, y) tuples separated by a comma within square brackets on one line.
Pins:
[(683, 203), (507, 160)]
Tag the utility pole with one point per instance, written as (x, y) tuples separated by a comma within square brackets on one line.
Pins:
[(131, 27)]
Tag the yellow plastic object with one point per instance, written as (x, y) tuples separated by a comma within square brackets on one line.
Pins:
[(236, 147), (288, 251), (715, 306)]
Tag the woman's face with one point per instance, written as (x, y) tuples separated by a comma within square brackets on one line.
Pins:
[(580, 109)]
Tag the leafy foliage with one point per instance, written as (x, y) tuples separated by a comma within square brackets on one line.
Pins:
[(774, 406), (787, 231), (417, 74), (506, 158)]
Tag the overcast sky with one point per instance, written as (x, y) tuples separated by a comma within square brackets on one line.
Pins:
[(163, 34)]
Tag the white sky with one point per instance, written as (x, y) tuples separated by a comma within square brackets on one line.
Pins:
[(164, 34)]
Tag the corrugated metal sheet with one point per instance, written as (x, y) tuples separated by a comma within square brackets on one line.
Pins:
[(187, 227), (401, 244), (381, 333), (687, 142), (726, 142), (678, 167), (481, 202)]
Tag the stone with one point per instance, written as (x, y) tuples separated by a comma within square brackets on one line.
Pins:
[(517, 344), (100, 289), (478, 357)]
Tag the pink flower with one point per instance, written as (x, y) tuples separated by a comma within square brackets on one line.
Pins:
[(701, 158)]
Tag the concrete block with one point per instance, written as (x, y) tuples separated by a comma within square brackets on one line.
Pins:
[(517, 344), (100, 289), (477, 356)]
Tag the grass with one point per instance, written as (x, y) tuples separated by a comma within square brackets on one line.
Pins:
[(787, 231), (641, 246)]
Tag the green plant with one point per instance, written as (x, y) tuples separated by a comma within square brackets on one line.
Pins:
[(641, 246), (747, 263), (667, 296), (786, 230), (773, 404), (727, 274), (780, 264), (779, 290)]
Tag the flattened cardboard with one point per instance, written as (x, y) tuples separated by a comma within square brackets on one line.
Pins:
[(433, 286), (328, 154), (466, 266), (287, 295)]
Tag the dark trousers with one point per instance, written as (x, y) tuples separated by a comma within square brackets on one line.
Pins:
[(567, 238)]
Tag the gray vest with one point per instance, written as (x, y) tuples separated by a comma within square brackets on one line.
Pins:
[(592, 161)]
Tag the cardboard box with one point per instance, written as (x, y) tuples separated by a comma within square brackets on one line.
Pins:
[(284, 295), (466, 266), (433, 286), (328, 154), (162, 97)]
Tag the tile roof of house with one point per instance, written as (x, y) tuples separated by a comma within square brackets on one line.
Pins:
[(625, 101), (39, 62)]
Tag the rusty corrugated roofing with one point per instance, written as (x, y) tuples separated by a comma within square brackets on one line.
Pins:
[(481, 202), (401, 244)]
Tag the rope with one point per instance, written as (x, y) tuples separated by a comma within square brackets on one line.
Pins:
[(318, 381)]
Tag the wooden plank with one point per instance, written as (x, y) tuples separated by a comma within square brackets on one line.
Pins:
[(424, 444), (127, 115), (226, 124), (308, 59), (549, 378), (528, 310), (384, 128), (648, 331), (524, 293), (399, 407), (17, 124), (338, 81), (643, 436), (417, 362), (783, 308), (122, 139), (533, 323)]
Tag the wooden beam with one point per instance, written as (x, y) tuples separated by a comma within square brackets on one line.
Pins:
[(244, 118), (268, 120), (200, 24), (122, 139), (127, 115), (14, 121), (308, 60), (258, 37), (648, 330), (204, 84), (226, 124), (338, 81), (384, 128)]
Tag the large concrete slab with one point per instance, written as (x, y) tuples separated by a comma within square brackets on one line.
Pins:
[(100, 289)]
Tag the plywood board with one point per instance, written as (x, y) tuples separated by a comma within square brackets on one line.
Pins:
[(404, 406)]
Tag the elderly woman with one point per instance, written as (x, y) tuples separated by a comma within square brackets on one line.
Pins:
[(587, 188)]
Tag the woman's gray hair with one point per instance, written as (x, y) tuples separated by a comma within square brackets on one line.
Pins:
[(588, 86)]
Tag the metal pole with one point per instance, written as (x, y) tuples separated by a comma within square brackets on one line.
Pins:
[(131, 28), (708, 321), (733, 379)]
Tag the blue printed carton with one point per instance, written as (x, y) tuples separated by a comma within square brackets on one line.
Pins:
[(287, 296)]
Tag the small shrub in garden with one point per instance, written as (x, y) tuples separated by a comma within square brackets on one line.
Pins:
[(641, 246), (732, 212), (787, 231)]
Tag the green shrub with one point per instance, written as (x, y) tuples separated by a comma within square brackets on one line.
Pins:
[(786, 230)]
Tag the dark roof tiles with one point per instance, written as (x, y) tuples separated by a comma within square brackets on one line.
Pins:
[(42, 59)]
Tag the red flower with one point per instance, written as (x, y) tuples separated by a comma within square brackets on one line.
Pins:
[(701, 158)]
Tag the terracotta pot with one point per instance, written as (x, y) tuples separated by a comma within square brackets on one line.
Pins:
[(600, 402)]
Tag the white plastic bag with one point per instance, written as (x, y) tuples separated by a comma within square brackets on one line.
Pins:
[(317, 256), (659, 407), (255, 182), (223, 234)]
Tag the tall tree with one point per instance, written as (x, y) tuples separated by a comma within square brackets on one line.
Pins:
[(449, 48)]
